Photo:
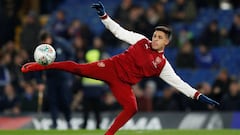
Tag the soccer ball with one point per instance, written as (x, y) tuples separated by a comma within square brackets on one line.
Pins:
[(44, 54)]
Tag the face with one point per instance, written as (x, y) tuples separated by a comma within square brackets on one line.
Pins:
[(159, 40), (48, 40), (60, 15), (97, 43)]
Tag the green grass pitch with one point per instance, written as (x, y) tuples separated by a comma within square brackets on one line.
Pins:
[(122, 132)]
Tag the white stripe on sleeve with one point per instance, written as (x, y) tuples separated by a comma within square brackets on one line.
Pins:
[(169, 76)]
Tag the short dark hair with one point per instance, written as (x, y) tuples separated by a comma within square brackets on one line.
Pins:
[(166, 29), (44, 35)]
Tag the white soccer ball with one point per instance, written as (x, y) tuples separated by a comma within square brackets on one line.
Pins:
[(44, 54)]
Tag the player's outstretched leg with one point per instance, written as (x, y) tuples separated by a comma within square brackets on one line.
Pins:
[(68, 66), (101, 70)]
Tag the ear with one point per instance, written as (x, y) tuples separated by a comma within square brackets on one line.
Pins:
[(167, 41)]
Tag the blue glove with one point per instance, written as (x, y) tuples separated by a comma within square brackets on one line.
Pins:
[(208, 100), (99, 7)]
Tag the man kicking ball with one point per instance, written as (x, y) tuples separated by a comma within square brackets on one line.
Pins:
[(144, 58)]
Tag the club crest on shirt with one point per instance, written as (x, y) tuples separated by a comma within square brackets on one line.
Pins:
[(157, 61), (101, 64)]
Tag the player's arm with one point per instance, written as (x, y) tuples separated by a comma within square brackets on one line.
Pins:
[(119, 32), (169, 76)]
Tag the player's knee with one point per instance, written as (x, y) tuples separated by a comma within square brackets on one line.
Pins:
[(132, 107)]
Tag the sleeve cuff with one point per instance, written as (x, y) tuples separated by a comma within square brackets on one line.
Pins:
[(104, 16), (196, 95)]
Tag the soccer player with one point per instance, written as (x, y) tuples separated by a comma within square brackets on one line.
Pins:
[(144, 58)]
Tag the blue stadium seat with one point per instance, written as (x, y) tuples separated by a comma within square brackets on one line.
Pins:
[(177, 27), (225, 17), (203, 75), (82, 10), (171, 54), (185, 74)]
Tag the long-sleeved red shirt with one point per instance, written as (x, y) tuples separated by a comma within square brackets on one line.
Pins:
[(139, 60)]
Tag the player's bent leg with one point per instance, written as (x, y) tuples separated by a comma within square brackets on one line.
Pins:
[(127, 99), (122, 118)]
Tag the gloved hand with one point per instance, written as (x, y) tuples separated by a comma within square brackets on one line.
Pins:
[(99, 7), (208, 100)]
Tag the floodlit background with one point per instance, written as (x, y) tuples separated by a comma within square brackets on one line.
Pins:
[(205, 52)]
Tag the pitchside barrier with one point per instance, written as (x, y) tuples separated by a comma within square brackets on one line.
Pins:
[(141, 121)]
